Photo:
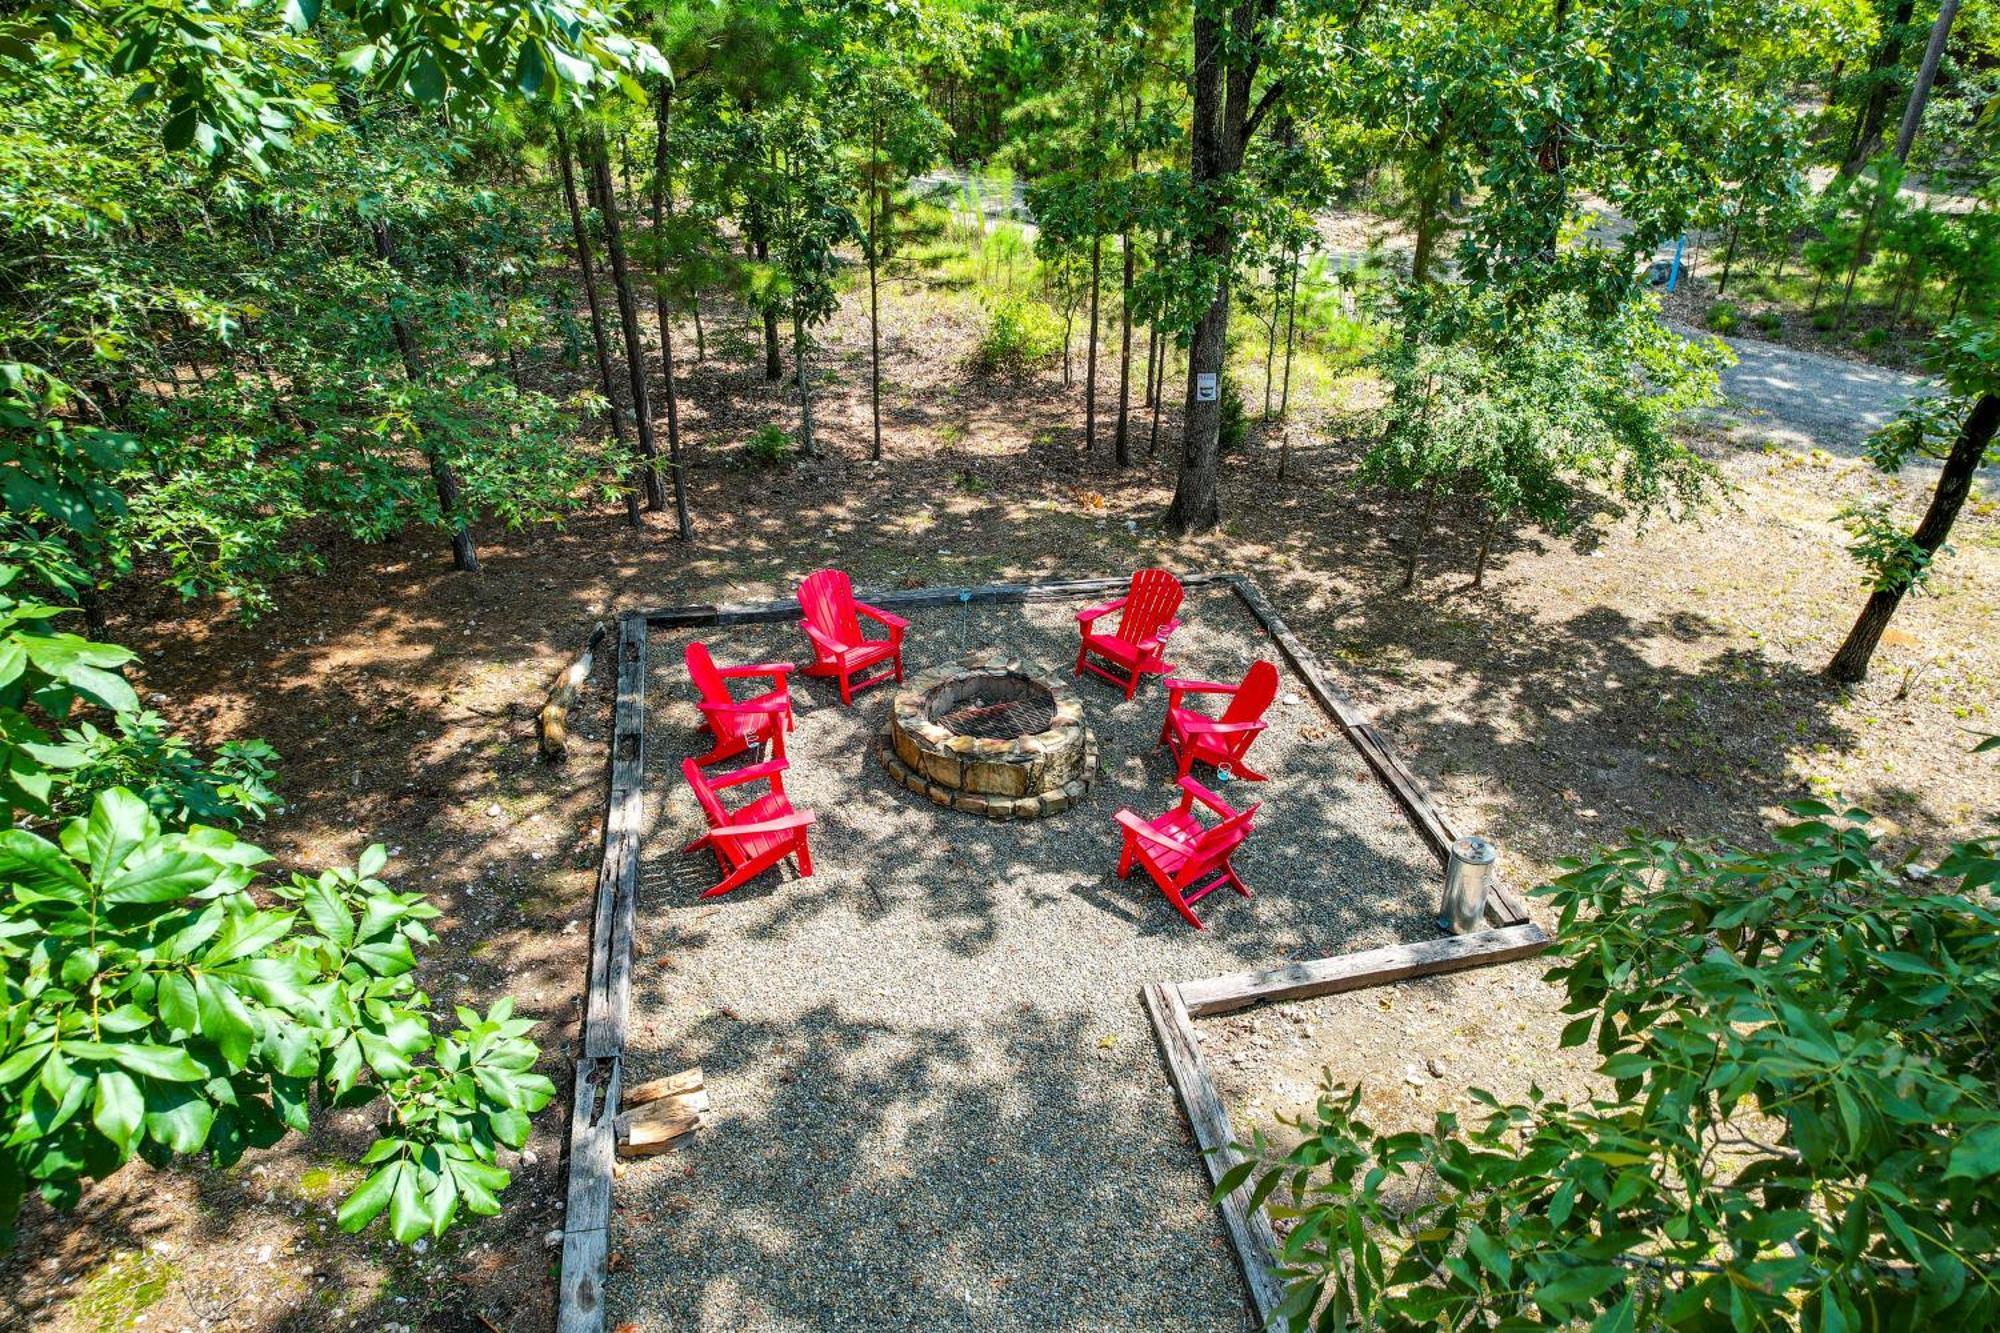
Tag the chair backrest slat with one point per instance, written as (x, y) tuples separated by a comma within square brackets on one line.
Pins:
[(826, 598), (1254, 695), (711, 805), (1151, 602), (701, 670)]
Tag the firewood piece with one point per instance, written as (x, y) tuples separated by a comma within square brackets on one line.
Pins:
[(659, 1125), (555, 713), (688, 1080)]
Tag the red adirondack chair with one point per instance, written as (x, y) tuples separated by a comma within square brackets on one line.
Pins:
[(1180, 852), (1197, 738), (752, 838), (738, 724), (1138, 644), (832, 620)]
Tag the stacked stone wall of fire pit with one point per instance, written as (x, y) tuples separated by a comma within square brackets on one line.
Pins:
[(951, 736)]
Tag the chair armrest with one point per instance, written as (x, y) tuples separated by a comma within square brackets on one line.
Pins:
[(1208, 726), (1199, 686), (1138, 827), (746, 706), (778, 669), (1197, 791), (1158, 638), (895, 623), (796, 819), (1089, 614), (819, 636), (770, 768)]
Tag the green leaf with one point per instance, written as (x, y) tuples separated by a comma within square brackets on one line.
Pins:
[(178, 1118), (178, 1008), (118, 822), (162, 1062), (250, 933), (40, 867), (370, 1197), (121, 1108), (408, 1217), (426, 85), (1977, 1156), (225, 1019), (160, 873), (328, 913)]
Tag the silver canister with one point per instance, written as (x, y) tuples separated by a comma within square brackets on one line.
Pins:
[(1466, 877)]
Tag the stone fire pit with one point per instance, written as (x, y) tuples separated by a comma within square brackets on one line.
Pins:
[(988, 736)]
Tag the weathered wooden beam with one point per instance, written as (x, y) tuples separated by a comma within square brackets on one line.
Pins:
[(1358, 971), (594, 1105), (562, 693), (752, 613), (1249, 1230), (1504, 907), (580, 1302)]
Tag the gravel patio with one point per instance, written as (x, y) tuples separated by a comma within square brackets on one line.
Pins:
[(936, 1100)]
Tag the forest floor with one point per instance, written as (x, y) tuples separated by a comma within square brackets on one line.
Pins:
[(1664, 679)]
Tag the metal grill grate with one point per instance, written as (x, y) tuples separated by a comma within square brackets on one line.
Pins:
[(999, 719)]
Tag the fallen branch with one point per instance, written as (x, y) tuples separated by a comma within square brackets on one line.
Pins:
[(555, 713)]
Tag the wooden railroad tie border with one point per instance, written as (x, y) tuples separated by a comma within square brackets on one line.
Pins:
[(1173, 1007), (1504, 907), (594, 1104), (596, 1091)]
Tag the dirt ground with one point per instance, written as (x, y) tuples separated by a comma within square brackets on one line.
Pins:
[(1664, 680)]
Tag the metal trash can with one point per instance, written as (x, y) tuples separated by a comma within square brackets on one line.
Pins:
[(1466, 877)]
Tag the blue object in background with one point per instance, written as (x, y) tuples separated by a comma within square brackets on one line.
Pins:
[(1674, 274)]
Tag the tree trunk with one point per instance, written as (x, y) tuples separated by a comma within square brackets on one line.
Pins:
[(663, 119), (1421, 536), (1485, 546), (1218, 133), (1728, 258), (802, 362), (874, 298), (1069, 338), (1860, 258), (760, 248), (1090, 353), (1152, 337), (628, 322), (603, 343), (1271, 342), (1291, 328), (1159, 398), (1121, 446), (1913, 112), (1850, 664), (1875, 101), (464, 554)]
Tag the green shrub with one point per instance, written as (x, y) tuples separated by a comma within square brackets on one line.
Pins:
[(1724, 317), (770, 445), (1770, 323), (1873, 338), (1022, 335), (1823, 320), (155, 1006), (1800, 1130)]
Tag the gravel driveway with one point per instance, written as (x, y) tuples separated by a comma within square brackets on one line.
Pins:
[(937, 1103), (1808, 400)]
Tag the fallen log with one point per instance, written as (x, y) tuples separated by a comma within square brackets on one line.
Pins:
[(555, 713)]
